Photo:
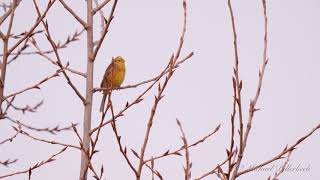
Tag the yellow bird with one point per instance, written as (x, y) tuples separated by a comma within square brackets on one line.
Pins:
[(113, 77)]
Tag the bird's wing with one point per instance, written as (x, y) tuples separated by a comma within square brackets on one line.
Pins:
[(108, 74)]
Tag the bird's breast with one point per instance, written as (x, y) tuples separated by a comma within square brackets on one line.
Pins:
[(118, 77)]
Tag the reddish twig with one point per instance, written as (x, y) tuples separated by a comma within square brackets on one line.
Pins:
[(151, 167), (8, 12), (281, 154), (161, 88), (44, 140), (84, 24), (216, 168), (74, 37), (237, 81), (52, 131), (59, 62), (99, 7), (7, 162), (27, 35), (105, 30), (25, 109), (277, 174), (253, 102), (37, 165), (41, 53), (232, 119), (10, 139), (35, 86), (187, 168), (177, 151), (102, 18), (118, 138)]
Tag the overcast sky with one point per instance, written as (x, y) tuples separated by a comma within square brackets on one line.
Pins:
[(146, 33)]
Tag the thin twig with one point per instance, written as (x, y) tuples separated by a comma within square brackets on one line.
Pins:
[(187, 168), (84, 24), (238, 83), (281, 154), (10, 139), (253, 102), (44, 140), (59, 62), (98, 8), (277, 174), (27, 35), (177, 151), (216, 168), (7, 162), (53, 131), (161, 88), (74, 37), (37, 165), (8, 12), (41, 53), (156, 172), (25, 109), (34, 86), (105, 30), (102, 18), (232, 119), (118, 138)]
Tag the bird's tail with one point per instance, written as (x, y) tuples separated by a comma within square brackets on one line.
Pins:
[(103, 102)]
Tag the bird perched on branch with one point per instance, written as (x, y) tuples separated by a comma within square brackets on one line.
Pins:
[(113, 77)]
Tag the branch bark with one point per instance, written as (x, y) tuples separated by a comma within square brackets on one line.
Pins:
[(89, 94)]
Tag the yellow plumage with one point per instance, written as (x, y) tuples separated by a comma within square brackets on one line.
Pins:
[(113, 77)]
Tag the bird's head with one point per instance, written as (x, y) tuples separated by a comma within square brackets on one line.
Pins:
[(119, 60)]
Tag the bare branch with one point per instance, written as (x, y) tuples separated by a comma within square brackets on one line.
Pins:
[(253, 102), (187, 168), (98, 8), (14, 6), (73, 38), (52, 131), (151, 167), (102, 18), (25, 109), (37, 165), (7, 13), (177, 152), (46, 141), (282, 153), (10, 139), (84, 24), (59, 62), (27, 35), (105, 31), (277, 174), (7, 162), (161, 88), (41, 53), (118, 138), (237, 81), (35, 86), (216, 168)]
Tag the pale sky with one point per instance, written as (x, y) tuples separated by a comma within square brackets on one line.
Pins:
[(146, 33)]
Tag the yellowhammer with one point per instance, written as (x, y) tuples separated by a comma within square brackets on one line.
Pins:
[(113, 77)]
